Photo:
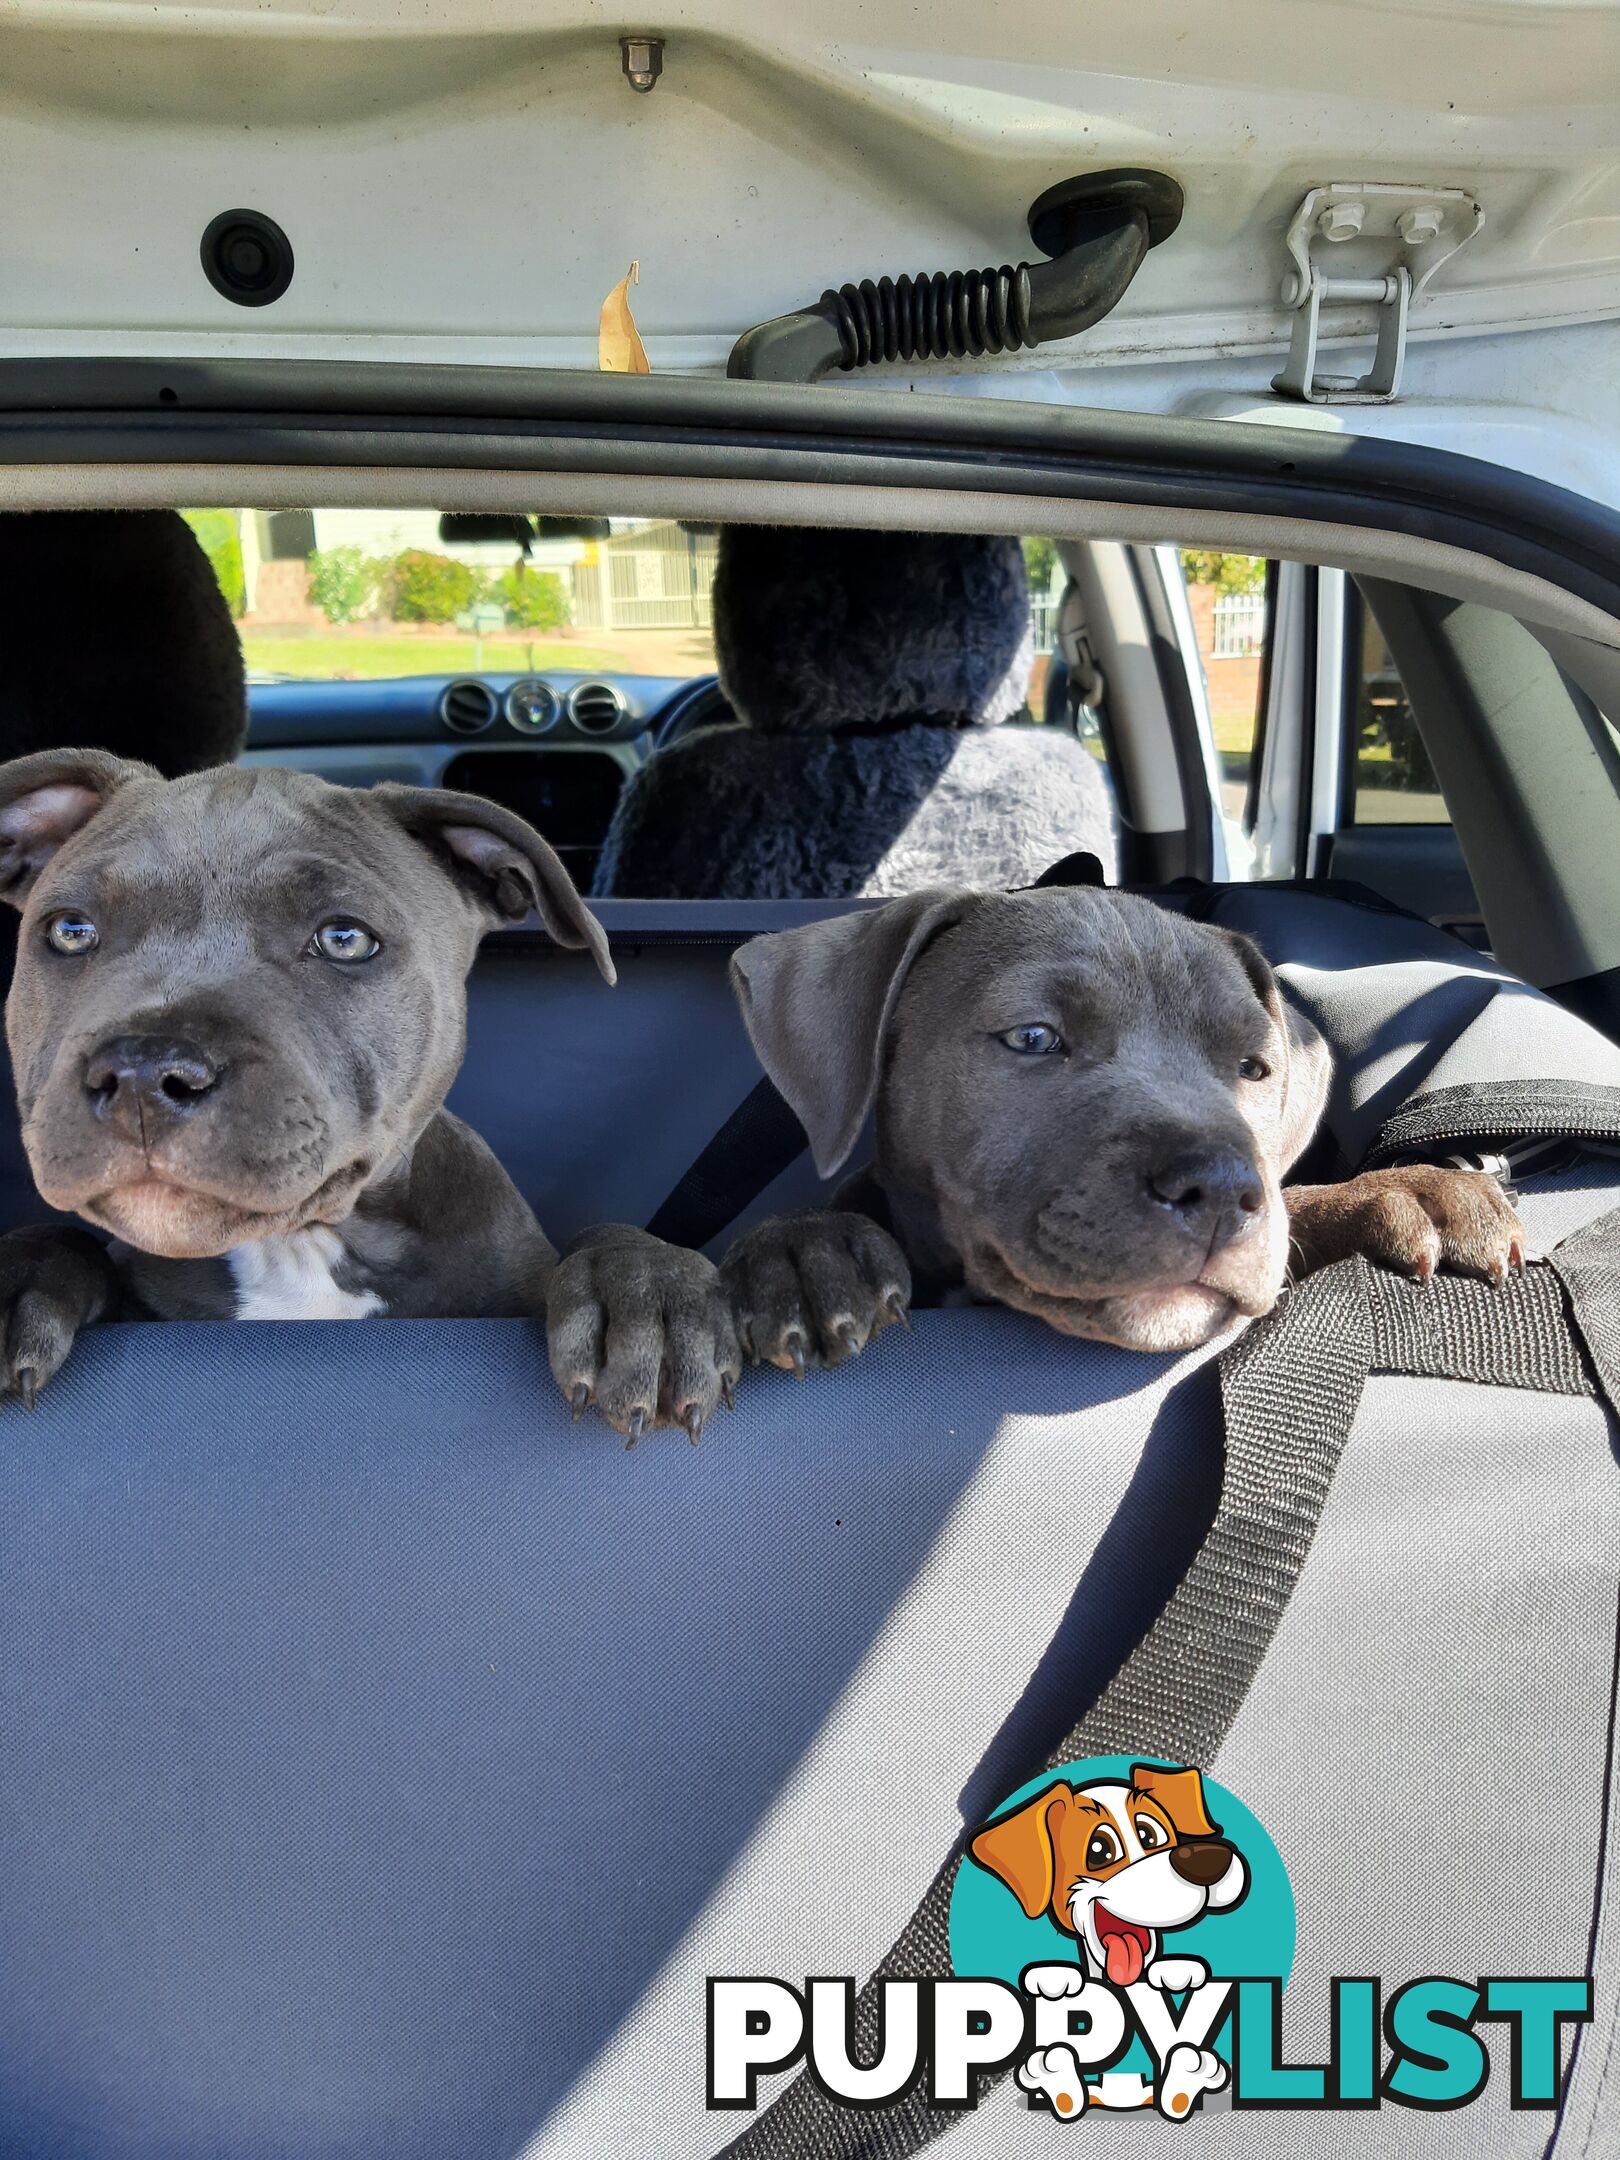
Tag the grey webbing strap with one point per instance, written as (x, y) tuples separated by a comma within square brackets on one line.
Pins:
[(1457, 1329), (1290, 1389)]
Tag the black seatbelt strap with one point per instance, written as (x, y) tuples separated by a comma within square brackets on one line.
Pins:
[(752, 1148)]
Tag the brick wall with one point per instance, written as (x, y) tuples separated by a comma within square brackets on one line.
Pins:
[(281, 595), (1234, 685)]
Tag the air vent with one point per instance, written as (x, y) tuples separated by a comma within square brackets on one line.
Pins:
[(596, 708), (467, 708)]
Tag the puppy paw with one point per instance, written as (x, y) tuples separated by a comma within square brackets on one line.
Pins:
[(52, 1283), (814, 1289), (1415, 1219), (642, 1330), (1175, 1975), (1053, 1983), (1055, 2072), (1189, 2073)]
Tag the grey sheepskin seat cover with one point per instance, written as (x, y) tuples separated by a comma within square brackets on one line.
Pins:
[(869, 673)]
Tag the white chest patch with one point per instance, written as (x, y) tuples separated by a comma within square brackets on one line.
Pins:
[(290, 1278)]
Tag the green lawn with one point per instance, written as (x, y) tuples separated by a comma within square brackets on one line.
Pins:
[(1234, 732), (338, 655)]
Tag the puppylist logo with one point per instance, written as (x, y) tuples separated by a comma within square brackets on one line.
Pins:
[(1120, 1937)]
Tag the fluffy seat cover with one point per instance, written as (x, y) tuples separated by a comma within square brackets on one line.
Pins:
[(869, 673)]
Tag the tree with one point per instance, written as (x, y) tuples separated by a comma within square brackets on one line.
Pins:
[(1231, 575), (1040, 561), (533, 599), (219, 536), (342, 583), (429, 588)]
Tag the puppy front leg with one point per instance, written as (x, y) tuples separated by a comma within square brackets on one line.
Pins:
[(1414, 1219), (814, 1289), (642, 1329), (53, 1282)]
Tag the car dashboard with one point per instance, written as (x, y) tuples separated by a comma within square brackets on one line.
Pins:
[(557, 747)]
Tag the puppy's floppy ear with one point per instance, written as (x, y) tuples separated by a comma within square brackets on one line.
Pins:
[(1310, 1062), (503, 863), (1180, 1793), (44, 800), (817, 1004), (1018, 1848)]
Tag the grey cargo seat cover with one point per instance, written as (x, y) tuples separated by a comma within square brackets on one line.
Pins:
[(375, 1743)]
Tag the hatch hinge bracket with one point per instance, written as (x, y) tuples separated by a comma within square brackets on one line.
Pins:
[(1386, 242)]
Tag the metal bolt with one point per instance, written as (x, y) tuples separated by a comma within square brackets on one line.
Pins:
[(1416, 226), (643, 59), (1341, 220)]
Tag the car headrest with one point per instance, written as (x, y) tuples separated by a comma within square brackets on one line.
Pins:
[(817, 631), (114, 634)]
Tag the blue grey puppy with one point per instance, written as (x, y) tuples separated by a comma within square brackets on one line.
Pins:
[(238, 1006), (1084, 1107)]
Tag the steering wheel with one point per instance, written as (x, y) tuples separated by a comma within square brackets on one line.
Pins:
[(701, 704)]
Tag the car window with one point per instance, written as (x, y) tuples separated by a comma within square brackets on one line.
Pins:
[(1389, 780), (560, 660), (343, 595), (1229, 599), (350, 595)]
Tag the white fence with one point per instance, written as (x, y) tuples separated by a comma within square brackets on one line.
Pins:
[(657, 578), (1043, 621), (1240, 626)]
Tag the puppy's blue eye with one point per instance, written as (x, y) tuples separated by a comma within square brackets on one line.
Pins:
[(344, 941), (72, 934), (1033, 1039)]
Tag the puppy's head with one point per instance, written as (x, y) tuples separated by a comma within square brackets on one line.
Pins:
[(1116, 1864), (240, 995), (1087, 1101)]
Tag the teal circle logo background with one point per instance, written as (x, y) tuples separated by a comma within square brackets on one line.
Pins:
[(991, 1937)]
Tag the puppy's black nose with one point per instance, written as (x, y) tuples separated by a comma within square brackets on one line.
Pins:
[(1212, 1192), (1202, 1860), (142, 1082)]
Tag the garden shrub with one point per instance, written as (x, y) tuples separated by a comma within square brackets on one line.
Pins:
[(426, 588), (533, 599), (342, 583), (218, 535)]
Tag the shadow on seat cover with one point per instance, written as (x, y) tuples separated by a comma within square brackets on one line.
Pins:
[(380, 1744), (870, 674), (114, 635)]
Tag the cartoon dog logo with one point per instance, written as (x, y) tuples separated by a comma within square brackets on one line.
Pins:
[(1118, 1866)]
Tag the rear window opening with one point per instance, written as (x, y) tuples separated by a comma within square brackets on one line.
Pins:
[(870, 713)]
